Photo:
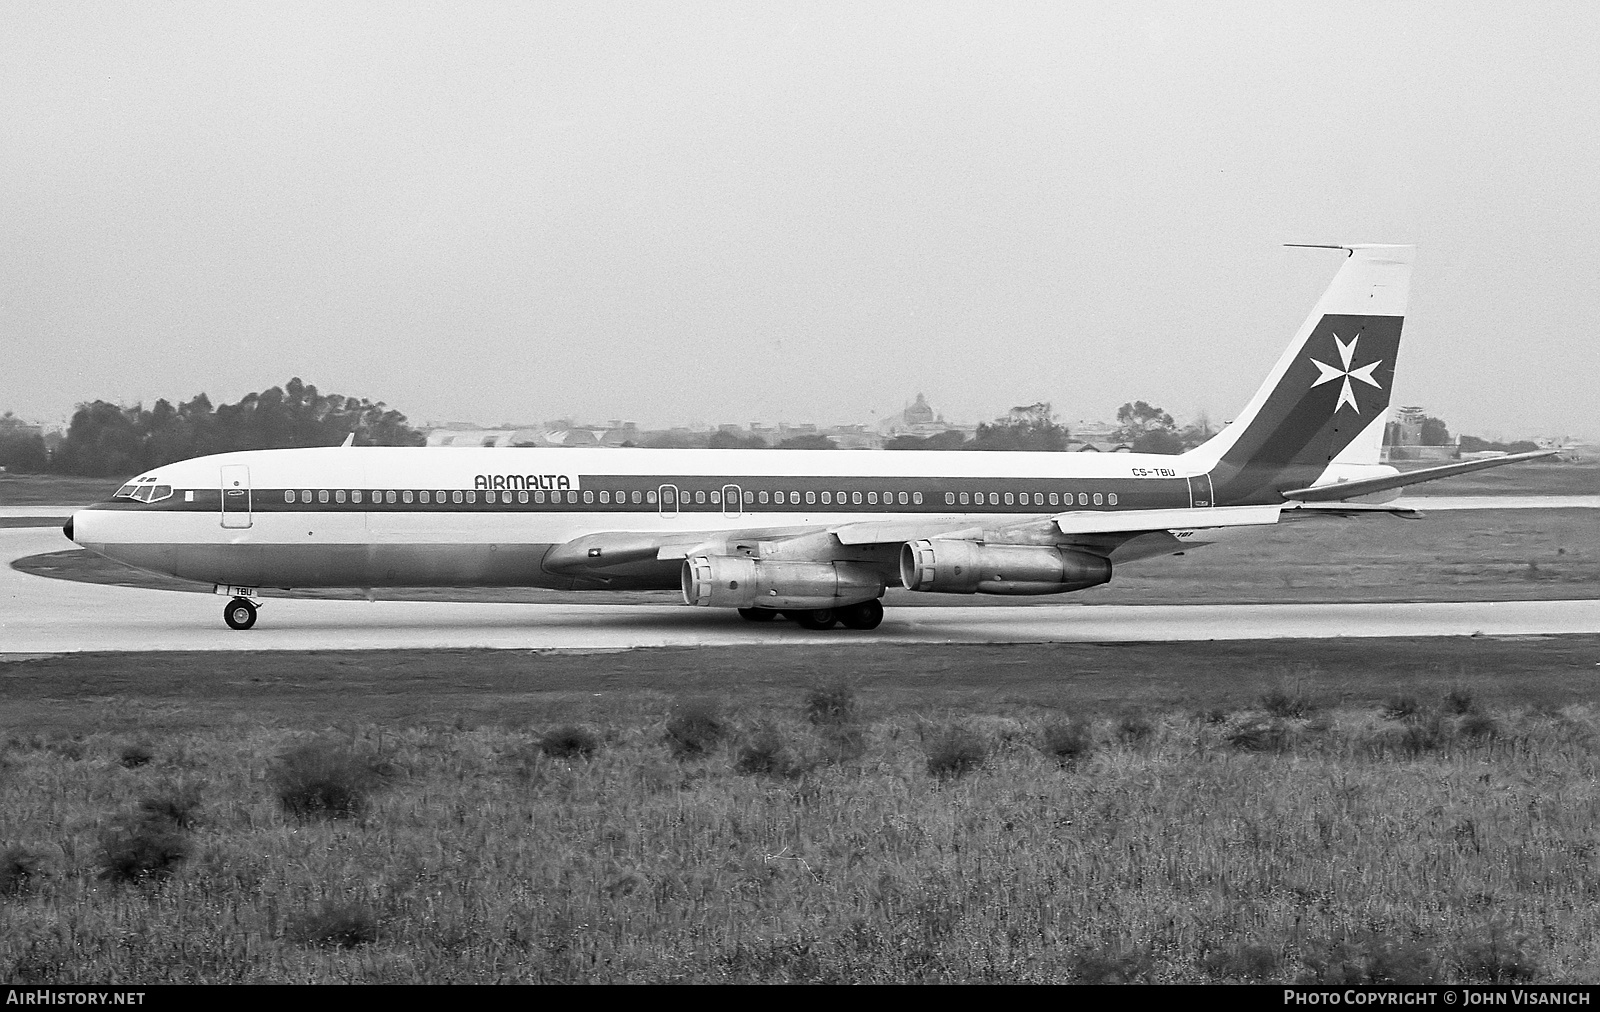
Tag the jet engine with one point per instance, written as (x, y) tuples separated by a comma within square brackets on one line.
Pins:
[(722, 581), (967, 567)]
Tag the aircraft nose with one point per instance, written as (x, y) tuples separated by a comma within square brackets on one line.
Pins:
[(66, 529)]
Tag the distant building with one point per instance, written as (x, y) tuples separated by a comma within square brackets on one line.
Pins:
[(1403, 435), (920, 420)]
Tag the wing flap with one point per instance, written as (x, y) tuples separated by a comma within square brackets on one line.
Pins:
[(877, 532), (1110, 522)]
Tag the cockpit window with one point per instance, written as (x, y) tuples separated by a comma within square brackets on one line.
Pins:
[(144, 492)]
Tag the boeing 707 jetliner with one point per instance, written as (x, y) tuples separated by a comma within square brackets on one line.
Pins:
[(814, 535)]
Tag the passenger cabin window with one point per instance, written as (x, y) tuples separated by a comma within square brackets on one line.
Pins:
[(872, 498), (1008, 498), (538, 496), (322, 495), (1083, 498), (288, 495), (949, 498), (916, 498), (572, 497), (405, 496), (389, 496), (522, 497), (811, 498), (455, 497), (588, 496), (1099, 500), (1112, 498), (1055, 499), (700, 497), (827, 498), (338, 495), (355, 495), (762, 496)]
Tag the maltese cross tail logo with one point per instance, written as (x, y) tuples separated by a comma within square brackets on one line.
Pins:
[(1328, 373)]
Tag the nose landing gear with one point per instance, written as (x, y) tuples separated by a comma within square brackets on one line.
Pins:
[(240, 613)]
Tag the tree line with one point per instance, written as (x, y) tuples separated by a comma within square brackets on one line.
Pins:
[(106, 439), (1142, 426)]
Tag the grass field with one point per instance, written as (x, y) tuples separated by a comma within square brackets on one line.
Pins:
[(1337, 811)]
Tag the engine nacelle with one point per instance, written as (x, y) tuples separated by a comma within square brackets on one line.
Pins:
[(967, 567), (723, 581)]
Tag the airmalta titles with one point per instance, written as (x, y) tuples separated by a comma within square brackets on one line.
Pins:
[(518, 482)]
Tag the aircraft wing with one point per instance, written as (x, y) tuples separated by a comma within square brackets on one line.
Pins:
[(1367, 486), (607, 550)]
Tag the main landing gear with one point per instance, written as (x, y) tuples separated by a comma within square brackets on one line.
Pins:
[(866, 615), (240, 613)]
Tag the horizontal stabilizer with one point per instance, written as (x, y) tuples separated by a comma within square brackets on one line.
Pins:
[(1366, 486), (1094, 522)]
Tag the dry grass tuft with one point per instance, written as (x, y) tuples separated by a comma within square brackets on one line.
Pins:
[(1498, 958), (1069, 741), (134, 756), (766, 753), (1480, 725), (325, 779), (1291, 700), (955, 751), (20, 869), (1371, 959), (695, 728), (1460, 701), (1133, 727), (1112, 965), (1263, 736), (1403, 706), (178, 804), (569, 742), (335, 924), (831, 702), (1243, 962), (142, 849)]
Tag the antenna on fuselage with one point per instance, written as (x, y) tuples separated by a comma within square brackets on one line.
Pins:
[(348, 440)]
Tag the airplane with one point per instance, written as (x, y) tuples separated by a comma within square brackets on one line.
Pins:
[(813, 536)]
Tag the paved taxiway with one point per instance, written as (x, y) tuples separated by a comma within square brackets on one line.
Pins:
[(41, 615)]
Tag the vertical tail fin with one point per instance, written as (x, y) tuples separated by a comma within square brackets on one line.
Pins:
[(1327, 399)]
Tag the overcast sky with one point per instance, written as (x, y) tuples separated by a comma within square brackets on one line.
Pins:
[(702, 212)]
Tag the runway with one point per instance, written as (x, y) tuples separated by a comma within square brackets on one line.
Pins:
[(45, 616)]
